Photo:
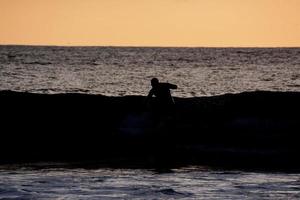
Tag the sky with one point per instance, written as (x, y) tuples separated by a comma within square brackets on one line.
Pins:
[(190, 23)]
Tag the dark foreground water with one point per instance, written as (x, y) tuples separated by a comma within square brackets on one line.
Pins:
[(184, 183)]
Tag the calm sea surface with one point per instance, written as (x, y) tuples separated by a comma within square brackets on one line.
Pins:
[(127, 71)]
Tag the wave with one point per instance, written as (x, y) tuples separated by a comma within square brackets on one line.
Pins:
[(37, 63), (241, 128)]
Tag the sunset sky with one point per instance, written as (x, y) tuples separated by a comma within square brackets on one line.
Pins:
[(215, 23)]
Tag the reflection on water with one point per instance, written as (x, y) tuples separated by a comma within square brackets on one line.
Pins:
[(184, 183), (127, 71)]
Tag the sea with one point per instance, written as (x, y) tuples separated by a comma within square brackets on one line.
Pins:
[(116, 71), (121, 71)]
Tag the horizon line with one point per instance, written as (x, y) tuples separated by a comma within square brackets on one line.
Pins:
[(145, 46)]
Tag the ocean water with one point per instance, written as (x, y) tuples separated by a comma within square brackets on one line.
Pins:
[(185, 183), (127, 71)]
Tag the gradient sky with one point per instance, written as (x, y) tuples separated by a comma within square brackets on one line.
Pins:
[(271, 23)]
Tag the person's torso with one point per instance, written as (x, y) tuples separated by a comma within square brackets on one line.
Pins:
[(162, 92)]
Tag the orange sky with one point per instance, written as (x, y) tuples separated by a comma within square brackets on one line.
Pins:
[(220, 23)]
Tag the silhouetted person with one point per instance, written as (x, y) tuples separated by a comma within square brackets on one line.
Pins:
[(161, 91)]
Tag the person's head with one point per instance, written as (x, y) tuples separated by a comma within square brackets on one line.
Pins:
[(154, 82)]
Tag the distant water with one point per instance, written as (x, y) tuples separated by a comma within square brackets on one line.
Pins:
[(127, 71), (186, 183)]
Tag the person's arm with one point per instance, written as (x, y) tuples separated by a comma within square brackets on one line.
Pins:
[(172, 86)]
